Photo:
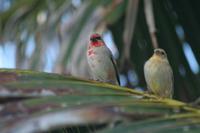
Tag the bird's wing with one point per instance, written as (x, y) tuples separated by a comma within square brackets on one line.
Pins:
[(114, 64), (116, 70), (172, 76)]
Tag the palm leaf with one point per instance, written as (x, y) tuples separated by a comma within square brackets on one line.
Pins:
[(53, 102)]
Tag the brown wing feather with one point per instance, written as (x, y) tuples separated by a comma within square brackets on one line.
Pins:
[(116, 70)]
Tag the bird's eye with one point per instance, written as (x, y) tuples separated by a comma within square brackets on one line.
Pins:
[(162, 53), (98, 38)]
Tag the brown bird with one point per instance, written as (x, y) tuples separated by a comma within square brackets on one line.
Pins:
[(158, 74)]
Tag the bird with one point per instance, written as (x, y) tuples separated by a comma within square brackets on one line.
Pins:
[(101, 62), (159, 75)]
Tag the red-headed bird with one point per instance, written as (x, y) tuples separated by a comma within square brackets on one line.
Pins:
[(101, 62)]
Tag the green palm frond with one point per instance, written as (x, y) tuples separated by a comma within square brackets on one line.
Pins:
[(49, 102)]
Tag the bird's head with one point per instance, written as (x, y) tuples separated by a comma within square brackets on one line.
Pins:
[(96, 40), (160, 53)]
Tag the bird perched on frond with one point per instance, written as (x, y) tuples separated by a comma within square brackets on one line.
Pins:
[(101, 62), (158, 74)]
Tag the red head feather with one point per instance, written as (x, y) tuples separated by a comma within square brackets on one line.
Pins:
[(93, 36), (96, 40)]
